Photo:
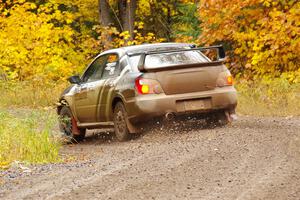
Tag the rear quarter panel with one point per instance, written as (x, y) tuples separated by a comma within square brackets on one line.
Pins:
[(124, 91)]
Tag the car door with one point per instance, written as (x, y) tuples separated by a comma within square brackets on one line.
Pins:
[(88, 92), (110, 74)]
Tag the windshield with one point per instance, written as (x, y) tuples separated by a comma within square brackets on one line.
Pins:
[(170, 59)]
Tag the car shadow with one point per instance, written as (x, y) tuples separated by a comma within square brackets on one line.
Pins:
[(178, 125), (174, 126), (103, 136)]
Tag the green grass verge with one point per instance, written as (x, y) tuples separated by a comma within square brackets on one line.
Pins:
[(28, 136)]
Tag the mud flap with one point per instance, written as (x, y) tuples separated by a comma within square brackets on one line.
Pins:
[(75, 129), (131, 127)]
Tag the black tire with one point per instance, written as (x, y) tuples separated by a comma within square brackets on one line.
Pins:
[(120, 122), (217, 119), (66, 124)]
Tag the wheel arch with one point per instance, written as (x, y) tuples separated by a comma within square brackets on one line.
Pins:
[(132, 128), (65, 102), (61, 103), (115, 100)]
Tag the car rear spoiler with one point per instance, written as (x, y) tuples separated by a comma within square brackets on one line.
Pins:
[(220, 58)]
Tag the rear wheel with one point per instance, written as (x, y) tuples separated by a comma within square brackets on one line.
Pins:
[(68, 126), (120, 122)]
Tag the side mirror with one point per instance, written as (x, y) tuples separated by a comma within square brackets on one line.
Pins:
[(74, 79)]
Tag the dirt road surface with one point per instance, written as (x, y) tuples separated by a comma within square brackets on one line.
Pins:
[(254, 158)]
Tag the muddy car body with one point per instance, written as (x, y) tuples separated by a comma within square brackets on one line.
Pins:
[(126, 86)]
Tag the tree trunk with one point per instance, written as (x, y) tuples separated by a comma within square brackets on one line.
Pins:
[(127, 15), (105, 15)]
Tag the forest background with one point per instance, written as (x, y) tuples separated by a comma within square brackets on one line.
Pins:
[(43, 42)]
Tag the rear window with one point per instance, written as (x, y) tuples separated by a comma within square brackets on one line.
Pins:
[(170, 59)]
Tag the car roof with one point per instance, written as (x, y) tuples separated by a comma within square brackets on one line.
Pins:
[(153, 47), (135, 49)]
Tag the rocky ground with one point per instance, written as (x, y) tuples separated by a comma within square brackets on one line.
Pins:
[(253, 158)]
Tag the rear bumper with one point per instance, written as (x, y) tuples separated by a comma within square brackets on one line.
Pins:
[(143, 107)]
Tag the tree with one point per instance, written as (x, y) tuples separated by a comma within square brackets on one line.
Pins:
[(262, 34), (123, 18), (159, 17), (127, 14), (41, 42), (105, 14)]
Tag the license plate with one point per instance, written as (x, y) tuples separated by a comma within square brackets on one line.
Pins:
[(192, 105)]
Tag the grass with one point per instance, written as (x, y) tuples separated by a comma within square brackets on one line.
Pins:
[(276, 97), (28, 136), (30, 94)]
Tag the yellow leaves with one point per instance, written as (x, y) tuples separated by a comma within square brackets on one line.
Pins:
[(29, 6), (255, 59), (124, 34), (188, 1), (266, 3), (34, 46), (264, 34), (33, 6), (144, 8), (139, 25), (123, 39)]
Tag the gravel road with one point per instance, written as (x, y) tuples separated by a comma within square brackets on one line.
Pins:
[(253, 158)]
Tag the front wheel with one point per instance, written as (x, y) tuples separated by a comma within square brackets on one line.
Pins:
[(120, 122), (68, 126)]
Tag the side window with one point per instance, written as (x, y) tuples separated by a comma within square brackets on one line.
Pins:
[(134, 61), (94, 72), (111, 68)]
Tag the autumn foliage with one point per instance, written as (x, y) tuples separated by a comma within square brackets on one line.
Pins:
[(263, 35), (51, 40), (39, 42)]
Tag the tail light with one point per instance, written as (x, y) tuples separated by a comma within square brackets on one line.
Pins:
[(147, 86), (229, 79), (225, 79)]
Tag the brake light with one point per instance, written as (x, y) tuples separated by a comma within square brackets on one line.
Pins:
[(225, 79), (147, 86), (229, 79), (141, 87)]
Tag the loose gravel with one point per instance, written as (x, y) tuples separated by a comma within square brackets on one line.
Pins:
[(253, 158)]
